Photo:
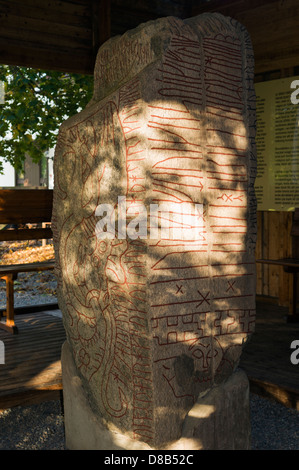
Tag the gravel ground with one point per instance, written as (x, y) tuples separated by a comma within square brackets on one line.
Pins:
[(31, 289), (41, 426), (273, 426), (35, 427)]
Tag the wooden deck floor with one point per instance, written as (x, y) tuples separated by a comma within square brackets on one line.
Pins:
[(266, 357), (32, 369)]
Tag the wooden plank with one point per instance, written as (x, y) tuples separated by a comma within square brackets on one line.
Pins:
[(295, 230), (258, 253), (17, 354), (42, 11), (18, 206), (266, 358), (30, 397), (272, 25), (38, 353), (265, 253), (38, 361), (51, 330), (35, 377), (285, 278), (31, 375), (101, 23), (274, 242), (40, 56), (290, 254), (123, 19), (30, 367), (290, 263), (73, 7), (48, 323), (26, 267), (26, 234), (57, 36), (270, 61), (32, 358), (9, 274), (284, 395), (50, 39), (20, 387), (227, 6), (44, 25), (274, 253), (268, 14), (41, 383), (294, 248), (35, 308), (10, 322)]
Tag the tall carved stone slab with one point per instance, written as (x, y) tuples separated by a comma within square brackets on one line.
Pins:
[(155, 324)]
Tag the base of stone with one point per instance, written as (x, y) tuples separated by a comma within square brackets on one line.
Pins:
[(218, 421)]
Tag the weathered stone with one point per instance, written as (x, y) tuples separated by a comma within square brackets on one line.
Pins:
[(218, 421), (154, 324)]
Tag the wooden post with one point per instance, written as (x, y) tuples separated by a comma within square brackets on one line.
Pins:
[(101, 24), (294, 303), (9, 325), (44, 240)]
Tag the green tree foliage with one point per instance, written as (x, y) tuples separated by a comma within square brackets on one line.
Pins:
[(36, 103)]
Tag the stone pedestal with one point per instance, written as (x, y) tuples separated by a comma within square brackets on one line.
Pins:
[(220, 420)]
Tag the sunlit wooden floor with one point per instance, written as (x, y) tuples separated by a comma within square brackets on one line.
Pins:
[(266, 357), (32, 369)]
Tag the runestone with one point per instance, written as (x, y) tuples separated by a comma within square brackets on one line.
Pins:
[(155, 323)]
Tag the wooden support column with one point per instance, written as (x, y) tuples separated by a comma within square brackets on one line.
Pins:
[(101, 24), (9, 325)]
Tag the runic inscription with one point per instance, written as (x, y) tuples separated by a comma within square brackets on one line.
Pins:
[(154, 323)]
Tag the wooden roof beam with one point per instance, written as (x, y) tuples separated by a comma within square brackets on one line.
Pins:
[(29, 37)]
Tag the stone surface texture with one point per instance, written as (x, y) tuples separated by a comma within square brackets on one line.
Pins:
[(220, 420), (155, 324)]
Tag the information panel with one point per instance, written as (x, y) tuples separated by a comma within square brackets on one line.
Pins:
[(277, 112)]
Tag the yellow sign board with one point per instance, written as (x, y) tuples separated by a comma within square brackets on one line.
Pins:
[(277, 142)]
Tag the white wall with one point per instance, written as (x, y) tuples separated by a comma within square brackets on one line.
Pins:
[(7, 179), (50, 169)]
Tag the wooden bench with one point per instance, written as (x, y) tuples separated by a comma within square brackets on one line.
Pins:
[(290, 265), (21, 207)]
